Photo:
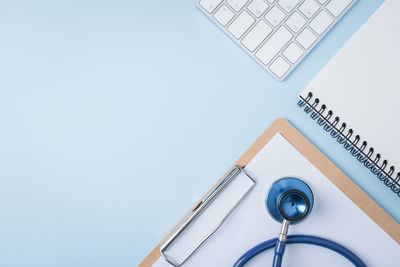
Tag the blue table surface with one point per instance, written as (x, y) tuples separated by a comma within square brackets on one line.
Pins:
[(117, 116)]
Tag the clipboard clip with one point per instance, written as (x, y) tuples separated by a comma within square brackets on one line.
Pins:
[(198, 209)]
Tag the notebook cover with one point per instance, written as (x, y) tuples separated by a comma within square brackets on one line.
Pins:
[(357, 95)]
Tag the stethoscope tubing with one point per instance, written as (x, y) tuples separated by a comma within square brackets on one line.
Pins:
[(304, 239)]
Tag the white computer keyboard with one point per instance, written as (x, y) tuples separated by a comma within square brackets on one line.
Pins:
[(278, 34)]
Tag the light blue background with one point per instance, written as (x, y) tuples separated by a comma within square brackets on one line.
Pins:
[(117, 116)]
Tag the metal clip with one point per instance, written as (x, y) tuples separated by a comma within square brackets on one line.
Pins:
[(198, 210)]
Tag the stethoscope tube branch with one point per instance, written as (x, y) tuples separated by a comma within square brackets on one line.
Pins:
[(280, 244), (303, 239)]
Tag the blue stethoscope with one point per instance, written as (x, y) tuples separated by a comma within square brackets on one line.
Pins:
[(289, 201)]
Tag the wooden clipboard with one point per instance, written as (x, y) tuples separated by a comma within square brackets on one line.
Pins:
[(323, 164)]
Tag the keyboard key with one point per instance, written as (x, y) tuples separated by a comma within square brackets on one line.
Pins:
[(275, 16), (336, 7), (257, 7), (223, 15), (293, 52), (279, 67), (258, 34), (295, 21), (321, 22), (274, 44), (306, 38), (308, 8), (236, 4), (288, 5), (241, 24), (210, 5)]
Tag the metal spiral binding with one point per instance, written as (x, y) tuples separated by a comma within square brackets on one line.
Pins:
[(354, 145)]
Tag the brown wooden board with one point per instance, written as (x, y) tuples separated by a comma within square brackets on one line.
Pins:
[(323, 164)]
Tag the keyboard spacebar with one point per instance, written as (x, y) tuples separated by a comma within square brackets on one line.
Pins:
[(274, 44)]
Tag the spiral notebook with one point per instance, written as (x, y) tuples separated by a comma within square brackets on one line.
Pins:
[(355, 98)]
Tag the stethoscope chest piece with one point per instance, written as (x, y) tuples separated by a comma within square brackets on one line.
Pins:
[(289, 198)]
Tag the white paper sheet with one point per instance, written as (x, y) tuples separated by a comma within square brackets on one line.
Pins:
[(334, 216)]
